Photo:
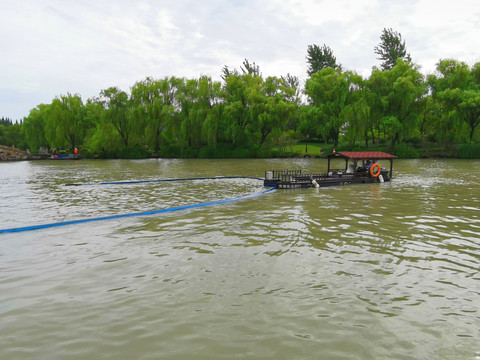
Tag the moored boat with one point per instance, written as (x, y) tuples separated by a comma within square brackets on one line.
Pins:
[(356, 167), (65, 157)]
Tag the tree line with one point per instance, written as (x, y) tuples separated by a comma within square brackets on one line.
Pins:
[(246, 114)]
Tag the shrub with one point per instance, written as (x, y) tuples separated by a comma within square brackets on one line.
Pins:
[(134, 152), (170, 151), (405, 151), (468, 151)]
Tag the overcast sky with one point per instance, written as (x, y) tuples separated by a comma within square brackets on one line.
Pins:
[(51, 47)]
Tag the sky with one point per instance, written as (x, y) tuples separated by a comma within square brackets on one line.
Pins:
[(53, 47)]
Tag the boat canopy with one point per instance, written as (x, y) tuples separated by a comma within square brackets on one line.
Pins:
[(356, 157), (362, 155)]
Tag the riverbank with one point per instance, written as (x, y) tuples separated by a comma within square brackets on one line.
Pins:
[(298, 150), (10, 153)]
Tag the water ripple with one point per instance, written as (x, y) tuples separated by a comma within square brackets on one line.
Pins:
[(367, 271)]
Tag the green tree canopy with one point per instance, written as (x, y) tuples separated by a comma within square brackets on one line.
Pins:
[(329, 90), (65, 123), (391, 48), (396, 96), (6, 121), (250, 68), (457, 86), (117, 106), (34, 127), (319, 58), (153, 108)]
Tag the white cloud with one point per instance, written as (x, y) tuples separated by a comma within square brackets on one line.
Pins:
[(315, 13), (51, 47)]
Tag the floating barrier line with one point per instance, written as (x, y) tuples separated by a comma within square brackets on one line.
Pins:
[(163, 180), (143, 213)]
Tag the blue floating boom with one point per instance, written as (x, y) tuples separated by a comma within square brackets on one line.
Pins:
[(143, 213), (165, 180)]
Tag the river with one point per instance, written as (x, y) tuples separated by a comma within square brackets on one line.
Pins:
[(371, 271)]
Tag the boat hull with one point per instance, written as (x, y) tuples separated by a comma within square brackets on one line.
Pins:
[(306, 181), (65, 157)]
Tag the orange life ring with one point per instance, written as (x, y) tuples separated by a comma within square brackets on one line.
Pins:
[(377, 172)]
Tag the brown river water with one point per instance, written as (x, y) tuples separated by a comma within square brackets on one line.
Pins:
[(370, 271)]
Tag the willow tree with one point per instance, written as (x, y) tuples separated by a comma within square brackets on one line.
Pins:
[(34, 127), (152, 107), (118, 114), (270, 108), (328, 90), (239, 91), (65, 122), (397, 94), (356, 113), (196, 99), (457, 86), (274, 117)]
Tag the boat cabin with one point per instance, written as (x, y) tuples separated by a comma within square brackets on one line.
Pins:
[(357, 163)]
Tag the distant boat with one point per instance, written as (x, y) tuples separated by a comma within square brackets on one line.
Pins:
[(65, 157), (359, 167)]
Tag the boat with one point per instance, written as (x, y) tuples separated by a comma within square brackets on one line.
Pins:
[(356, 167), (65, 157)]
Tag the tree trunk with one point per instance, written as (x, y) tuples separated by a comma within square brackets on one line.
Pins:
[(394, 140), (157, 142), (335, 139), (474, 121)]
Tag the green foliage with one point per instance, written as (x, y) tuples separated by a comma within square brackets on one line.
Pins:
[(250, 68), (457, 88), (6, 121), (12, 135), (34, 128), (345, 147), (334, 101), (468, 151), (390, 49), (395, 100), (65, 122), (247, 115), (135, 152), (104, 140), (225, 150), (170, 151), (404, 151), (153, 109), (119, 113), (319, 58), (222, 150)]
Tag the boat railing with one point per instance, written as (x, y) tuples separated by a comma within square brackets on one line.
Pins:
[(286, 175)]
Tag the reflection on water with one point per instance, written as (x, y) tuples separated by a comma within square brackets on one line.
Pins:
[(363, 271)]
